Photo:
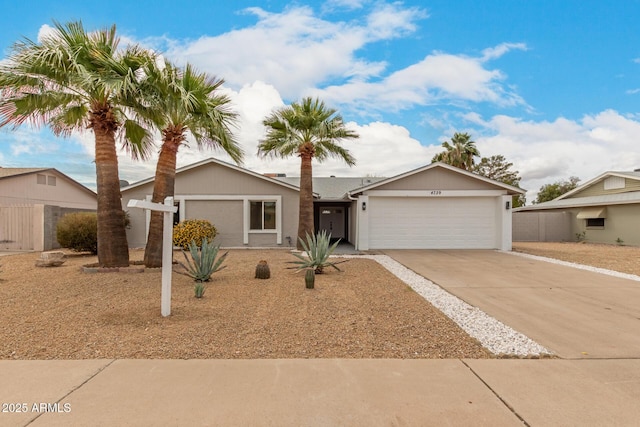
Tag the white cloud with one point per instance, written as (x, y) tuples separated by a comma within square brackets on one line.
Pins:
[(27, 141), (438, 77), (45, 31), (295, 50), (498, 51), (292, 50), (390, 20), (545, 152), (331, 5), (300, 53)]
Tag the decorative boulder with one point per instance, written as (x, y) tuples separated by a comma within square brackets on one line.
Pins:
[(50, 259)]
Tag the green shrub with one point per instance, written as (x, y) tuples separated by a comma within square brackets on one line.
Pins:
[(193, 230), (78, 231)]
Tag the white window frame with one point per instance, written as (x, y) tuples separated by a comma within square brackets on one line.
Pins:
[(262, 229)]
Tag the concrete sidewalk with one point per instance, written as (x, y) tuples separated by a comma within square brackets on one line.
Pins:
[(320, 392)]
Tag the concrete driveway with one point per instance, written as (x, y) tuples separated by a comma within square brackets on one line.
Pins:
[(575, 313)]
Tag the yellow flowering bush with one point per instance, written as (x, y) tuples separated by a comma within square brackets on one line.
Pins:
[(193, 229)]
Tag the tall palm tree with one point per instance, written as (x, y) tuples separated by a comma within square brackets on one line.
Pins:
[(183, 102), (308, 130), (73, 80), (461, 153)]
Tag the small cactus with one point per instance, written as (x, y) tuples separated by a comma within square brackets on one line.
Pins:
[(310, 278), (262, 270), (199, 289)]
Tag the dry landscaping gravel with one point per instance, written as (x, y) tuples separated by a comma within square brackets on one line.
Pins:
[(362, 312), (624, 259)]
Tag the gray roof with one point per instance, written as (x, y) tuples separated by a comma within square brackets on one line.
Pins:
[(333, 188), (607, 199), (634, 174)]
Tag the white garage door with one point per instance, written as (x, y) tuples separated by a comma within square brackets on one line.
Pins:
[(432, 223)]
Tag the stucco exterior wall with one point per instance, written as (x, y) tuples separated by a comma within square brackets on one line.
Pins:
[(622, 221), (543, 226), (225, 215), (438, 179)]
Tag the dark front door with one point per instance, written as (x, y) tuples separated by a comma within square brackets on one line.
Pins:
[(332, 220)]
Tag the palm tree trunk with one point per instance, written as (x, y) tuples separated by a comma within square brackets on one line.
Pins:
[(164, 186), (113, 250), (305, 224)]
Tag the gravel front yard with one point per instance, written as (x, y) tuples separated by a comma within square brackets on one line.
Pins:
[(625, 259), (362, 312)]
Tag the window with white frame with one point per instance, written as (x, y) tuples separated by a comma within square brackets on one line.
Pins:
[(262, 215)]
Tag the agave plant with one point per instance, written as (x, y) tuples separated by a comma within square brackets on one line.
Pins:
[(317, 249), (203, 261)]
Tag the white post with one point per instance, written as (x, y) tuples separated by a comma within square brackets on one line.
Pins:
[(167, 245), (167, 258)]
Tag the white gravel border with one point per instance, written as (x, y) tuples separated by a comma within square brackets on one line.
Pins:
[(494, 335)]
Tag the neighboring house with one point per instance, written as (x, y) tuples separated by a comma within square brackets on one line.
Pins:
[(436, 206), (605, 209), (31, 202)]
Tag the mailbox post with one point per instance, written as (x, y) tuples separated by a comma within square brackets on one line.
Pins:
[(167, 246)]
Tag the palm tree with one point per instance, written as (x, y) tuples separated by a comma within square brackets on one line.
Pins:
[(309, 130), (73, 80), (183, 102), (460, 153)]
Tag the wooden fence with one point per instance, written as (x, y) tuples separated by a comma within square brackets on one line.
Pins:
[(17, 227)]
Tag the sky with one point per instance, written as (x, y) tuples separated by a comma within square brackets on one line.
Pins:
[(554, 86)]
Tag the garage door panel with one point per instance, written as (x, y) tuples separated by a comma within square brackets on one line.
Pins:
[(432, 223)]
